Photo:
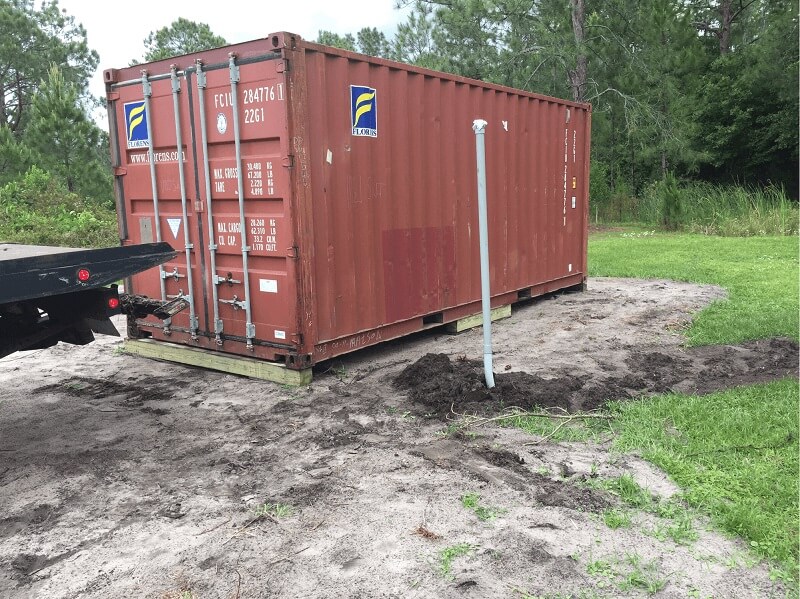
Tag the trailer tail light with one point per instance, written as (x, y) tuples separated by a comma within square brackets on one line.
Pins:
[(83, 275), (113, 303)]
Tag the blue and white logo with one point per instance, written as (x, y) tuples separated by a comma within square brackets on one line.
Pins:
[(136, 125), (364, 111)]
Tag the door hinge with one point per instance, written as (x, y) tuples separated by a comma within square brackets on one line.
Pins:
[(120, 171), (288, 161), (282, 66), (293, 252)]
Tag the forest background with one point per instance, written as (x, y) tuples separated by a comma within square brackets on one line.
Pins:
[(695, 104)]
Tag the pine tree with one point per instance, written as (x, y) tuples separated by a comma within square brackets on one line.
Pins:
[(64, 140)]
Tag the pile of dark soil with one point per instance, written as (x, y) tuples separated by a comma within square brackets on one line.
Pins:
[(439, 384)]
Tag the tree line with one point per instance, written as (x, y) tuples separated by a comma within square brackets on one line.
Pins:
[(702, 89), (696, 89)]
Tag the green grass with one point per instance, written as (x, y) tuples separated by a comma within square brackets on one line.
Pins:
[(274, 510), (471, 501), (736, 458), (676, 523), (557, 429), (736, 454), (760, 274), (449, 554), (615, 518)]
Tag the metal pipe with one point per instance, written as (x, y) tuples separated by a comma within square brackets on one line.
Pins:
[(147, 91), (250, 328), (212, 247), (188, 246), (479, 127)]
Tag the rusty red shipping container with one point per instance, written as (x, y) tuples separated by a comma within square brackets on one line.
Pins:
[(324, 201)]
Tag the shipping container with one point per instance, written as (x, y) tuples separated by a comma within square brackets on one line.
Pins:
[(324, 200)]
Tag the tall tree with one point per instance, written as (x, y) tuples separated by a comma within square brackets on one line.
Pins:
[(15, 157), (31, 40), (747, 106), (181, 37), (579, 75), (367, 41), (373, 42), (717, 19), (414, 41), (64, 139), (344, 42)]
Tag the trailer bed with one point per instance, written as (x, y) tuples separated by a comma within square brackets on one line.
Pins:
[(32, 271)]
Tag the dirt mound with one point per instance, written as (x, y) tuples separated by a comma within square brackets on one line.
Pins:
[(439, 384)]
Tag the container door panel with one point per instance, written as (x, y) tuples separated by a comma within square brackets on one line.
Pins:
[(253, 294), (156, 175)]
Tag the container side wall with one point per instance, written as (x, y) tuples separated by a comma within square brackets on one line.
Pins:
[(394, 202)]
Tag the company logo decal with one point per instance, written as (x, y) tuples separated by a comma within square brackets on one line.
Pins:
[(136, 125), (364, 111)]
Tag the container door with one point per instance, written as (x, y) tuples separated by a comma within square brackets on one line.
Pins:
[(244, 162), (154, 174)]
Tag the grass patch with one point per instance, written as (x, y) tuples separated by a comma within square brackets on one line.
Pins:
[(628, 574), (448, 555), (760, 274), (736, 458), (274, 510), (677, 524), (558, 429), (471, 501), (737, 453), (615, 518)]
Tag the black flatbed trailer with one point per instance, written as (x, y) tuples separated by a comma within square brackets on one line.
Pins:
[(52, 294)]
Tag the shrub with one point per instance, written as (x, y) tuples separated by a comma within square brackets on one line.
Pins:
[(37, 209)]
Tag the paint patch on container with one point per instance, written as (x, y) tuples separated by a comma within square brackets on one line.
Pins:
[(505, 125), (570, 268), (573, 201), (329, 157), (268, 285), (280, 334)]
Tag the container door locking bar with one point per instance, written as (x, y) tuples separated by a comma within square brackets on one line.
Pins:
[(176, 88), (250, 328), (147, 92), (212, 247)]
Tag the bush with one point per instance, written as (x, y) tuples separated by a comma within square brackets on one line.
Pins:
[(38, 209)]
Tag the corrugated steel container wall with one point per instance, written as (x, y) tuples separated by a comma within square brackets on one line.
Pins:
[(361, 226)]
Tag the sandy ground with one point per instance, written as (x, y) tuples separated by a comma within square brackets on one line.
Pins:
[(124, 477)]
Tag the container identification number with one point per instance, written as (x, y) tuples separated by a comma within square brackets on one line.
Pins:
[(251, 95), (262, 95)]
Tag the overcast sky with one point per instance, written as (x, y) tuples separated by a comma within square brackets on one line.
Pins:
[(117, 30)]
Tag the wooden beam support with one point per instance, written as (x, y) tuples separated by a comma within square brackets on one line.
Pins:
[(476, 320), (232, 364)]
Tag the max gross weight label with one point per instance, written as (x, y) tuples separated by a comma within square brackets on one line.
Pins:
[(259, 179)]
